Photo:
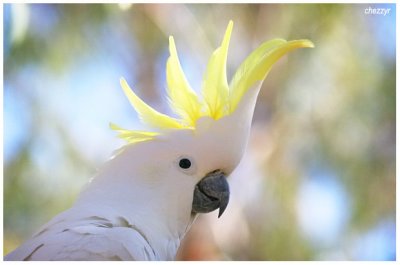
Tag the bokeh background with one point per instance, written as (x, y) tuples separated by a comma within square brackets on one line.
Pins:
[(318, 179)]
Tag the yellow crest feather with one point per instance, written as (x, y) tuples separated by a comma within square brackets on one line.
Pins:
[(215, 85), (133, 136), (146, 113), (183, 100), (219, 99), (257, 65)]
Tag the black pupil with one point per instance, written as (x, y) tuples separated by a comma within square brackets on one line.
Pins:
[(185, 163)]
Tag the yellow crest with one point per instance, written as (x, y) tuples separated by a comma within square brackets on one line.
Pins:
[(218, 99)]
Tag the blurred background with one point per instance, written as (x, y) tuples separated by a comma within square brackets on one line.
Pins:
[(318, 179)]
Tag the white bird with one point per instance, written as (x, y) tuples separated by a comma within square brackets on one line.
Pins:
[(142, 201)]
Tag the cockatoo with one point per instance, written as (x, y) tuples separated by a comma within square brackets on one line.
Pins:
[(144, 199)]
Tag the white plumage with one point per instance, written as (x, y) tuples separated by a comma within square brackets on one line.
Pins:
[(139, 206)]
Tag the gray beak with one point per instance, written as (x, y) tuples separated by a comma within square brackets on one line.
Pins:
[(211, 193)]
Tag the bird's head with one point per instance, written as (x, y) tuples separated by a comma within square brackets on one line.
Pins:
[(206, 143)]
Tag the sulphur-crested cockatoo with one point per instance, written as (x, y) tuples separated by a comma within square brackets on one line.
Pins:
[(142, 201)]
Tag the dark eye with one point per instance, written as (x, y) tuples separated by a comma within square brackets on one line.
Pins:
[(185, 163)]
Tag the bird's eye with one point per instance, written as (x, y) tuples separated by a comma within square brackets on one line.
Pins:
[(185, 163)]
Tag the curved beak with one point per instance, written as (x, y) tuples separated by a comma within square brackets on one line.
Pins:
[(211, 193)]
